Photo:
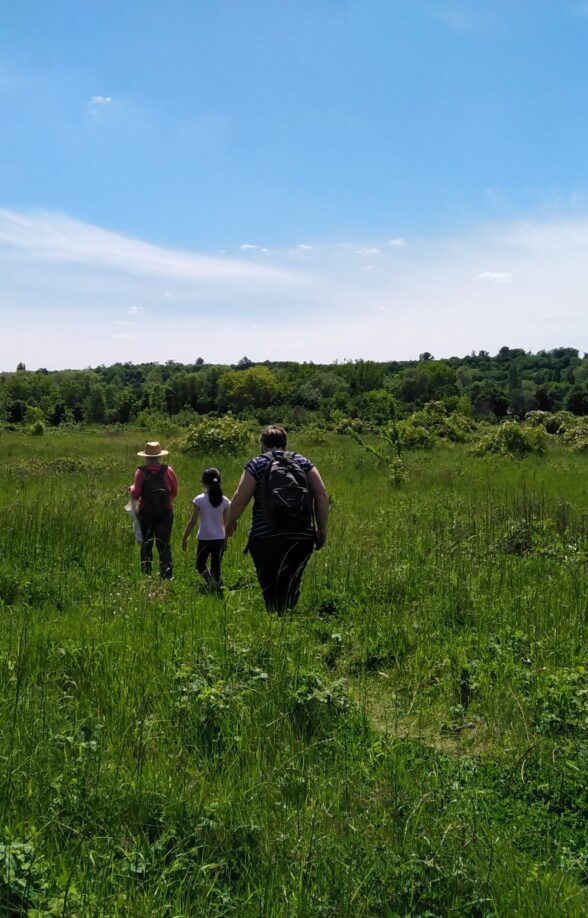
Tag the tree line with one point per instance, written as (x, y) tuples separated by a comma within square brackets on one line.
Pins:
[(511, 382)]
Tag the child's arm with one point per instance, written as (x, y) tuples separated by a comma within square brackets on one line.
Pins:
[(225, 517), (191, 523)]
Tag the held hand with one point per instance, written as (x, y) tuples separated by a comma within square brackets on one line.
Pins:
[(230, 530), (320, 539)]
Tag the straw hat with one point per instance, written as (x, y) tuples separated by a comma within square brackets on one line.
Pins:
[(153, 450)]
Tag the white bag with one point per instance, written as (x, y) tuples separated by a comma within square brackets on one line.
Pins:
[(132, 509)]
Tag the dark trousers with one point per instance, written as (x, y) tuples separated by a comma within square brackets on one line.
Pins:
[(213, 549), (157, 531), (280, 561)]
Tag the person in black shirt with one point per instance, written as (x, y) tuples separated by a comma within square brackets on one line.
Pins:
[(280, 557)]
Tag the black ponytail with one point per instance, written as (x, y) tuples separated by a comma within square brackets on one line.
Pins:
[(211, 478)]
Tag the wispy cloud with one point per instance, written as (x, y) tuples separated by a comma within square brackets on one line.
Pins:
[(398, 243), (55, 238), (496, 277), (98, 106), (69, 289), (467, 17), (368, 250), (454, 19), (248, 247)]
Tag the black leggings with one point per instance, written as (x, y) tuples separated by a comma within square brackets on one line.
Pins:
[(280, 561), (157, 531), (213, 548)]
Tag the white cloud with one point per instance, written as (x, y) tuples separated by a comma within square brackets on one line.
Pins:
[(55, 238), (100, 100), (62, 293), (397, 243), (496, 277), (366, 250), (469, 17), (454, 19), (301, 249), (247, 246)]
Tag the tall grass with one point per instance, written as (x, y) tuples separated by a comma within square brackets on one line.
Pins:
[(411, 741)]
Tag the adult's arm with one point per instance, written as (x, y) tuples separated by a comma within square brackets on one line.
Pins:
[(240, 499), (321, 505), (136, 488), (172, 482)]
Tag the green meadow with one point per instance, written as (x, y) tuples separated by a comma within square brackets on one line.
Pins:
[(411, 741)]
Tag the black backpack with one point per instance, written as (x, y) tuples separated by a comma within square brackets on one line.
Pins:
[(284, 496), (155, 492)]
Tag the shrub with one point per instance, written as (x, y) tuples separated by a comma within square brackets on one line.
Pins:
[(536, 418), (512, 439), (575, 434), (556, 423), (313, 435), (414, 436), (349, 425), (439, 422), (37, 429), (224, 435)]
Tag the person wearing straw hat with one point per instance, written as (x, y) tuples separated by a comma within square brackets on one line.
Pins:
[(155, 487)]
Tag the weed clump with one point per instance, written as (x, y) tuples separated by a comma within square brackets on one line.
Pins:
[(561, 702)]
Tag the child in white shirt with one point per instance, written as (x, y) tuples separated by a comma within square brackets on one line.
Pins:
[(212, 507)]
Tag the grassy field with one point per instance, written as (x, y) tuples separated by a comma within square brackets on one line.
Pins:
[(413, 741)]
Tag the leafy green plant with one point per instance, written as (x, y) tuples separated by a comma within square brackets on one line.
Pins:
[(23, 877), (561, 701), (315, 702)]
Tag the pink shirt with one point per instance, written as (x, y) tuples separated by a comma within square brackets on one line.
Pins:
[(137, 486)]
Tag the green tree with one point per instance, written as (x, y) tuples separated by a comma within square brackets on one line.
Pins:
[(239, 390), (577, 400), (95, 406)]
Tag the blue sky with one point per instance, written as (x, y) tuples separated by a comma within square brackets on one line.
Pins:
[(300, 180)]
